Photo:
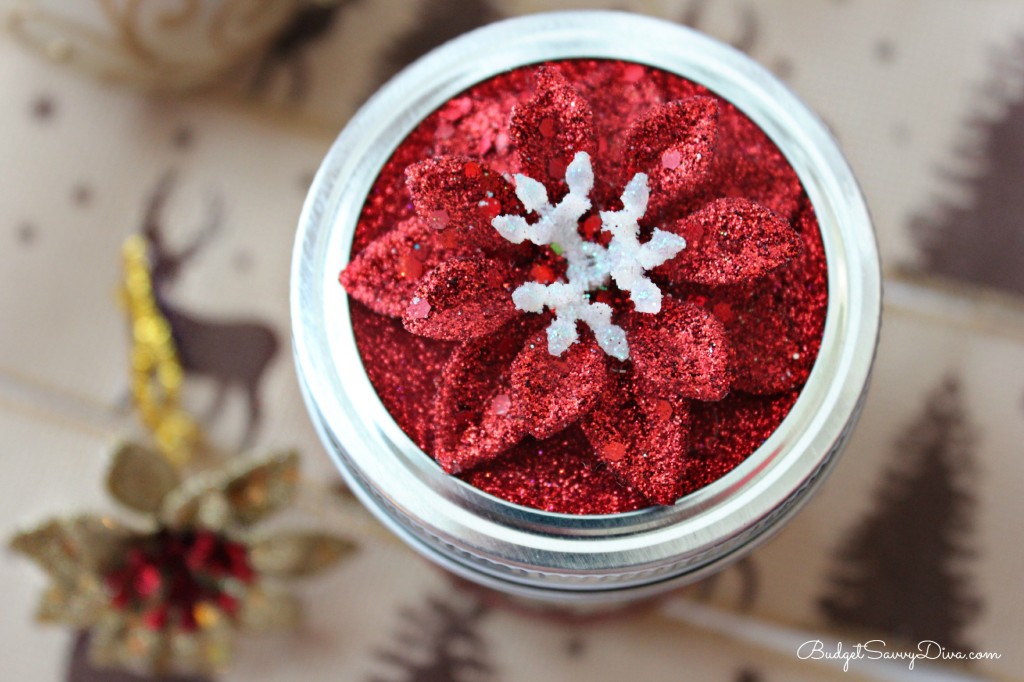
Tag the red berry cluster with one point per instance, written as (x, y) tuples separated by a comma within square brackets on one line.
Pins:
[(166, 576)]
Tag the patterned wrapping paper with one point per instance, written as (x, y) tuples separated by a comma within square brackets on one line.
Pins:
[(911, 537)]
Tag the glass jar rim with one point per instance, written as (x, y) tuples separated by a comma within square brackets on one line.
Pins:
[(528, 550)]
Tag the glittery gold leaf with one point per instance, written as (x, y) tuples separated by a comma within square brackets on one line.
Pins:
[(267, 609), (118, 642), (140, 477), (79, 606), (263, 488), (72, 549), (206, 650), (252, 488), (109, 644), (297, 554)]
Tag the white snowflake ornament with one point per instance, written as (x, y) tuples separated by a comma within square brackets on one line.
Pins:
[(590, 265)]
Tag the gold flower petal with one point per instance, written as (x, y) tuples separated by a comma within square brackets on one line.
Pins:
[(140, 477), (297, 554), (79, 606), (253, 489), (72, 549), (213, 511), (261, 488), (104, 640), (115, 643), (264, 608), (206, 650)]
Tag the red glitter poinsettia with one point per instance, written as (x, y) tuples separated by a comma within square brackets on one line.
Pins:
[(723, 321)]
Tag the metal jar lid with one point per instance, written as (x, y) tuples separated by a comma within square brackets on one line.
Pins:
[(560, 556)]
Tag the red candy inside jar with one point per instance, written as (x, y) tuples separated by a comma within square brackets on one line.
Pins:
[(588, 286)]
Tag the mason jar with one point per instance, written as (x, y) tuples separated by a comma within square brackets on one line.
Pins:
[(526, 552)]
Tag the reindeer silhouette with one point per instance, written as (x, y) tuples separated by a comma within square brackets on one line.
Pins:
[(308, 25), (233, 354), (747, 33)]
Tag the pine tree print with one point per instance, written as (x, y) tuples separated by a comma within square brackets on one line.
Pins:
[(901, 571), (749, 675), (977, 235), (438, 642)]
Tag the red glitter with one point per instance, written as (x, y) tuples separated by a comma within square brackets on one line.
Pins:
[(684, 131), (164, 577), (373, 279), (543, 273), (591, 227), (742, 314), (565, 123), (642, 444), (775, 352), (465, 297), (682, 351), (549, 393), (459, 189), (466, 431), (730, 241)]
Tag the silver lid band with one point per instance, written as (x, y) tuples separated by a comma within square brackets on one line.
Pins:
[(560, 556)]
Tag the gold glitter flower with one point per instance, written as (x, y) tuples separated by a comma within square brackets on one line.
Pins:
[(168, 594)]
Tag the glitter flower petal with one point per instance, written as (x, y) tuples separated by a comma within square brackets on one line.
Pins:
[(385, 274), (768, 360), (557, 475), (461, 299), (736, 175), (684, 352), (553, 392), (674, 144), (773, 348), (457, 196), (550, 128), (473, 416), (730, 241), (644, 442)]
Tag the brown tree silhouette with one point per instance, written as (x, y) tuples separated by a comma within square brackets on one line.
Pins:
[(981, 238), (438, 642), (900, 571)]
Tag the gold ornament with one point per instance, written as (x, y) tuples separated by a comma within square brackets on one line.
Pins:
[(161, 45), (168, 594)]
